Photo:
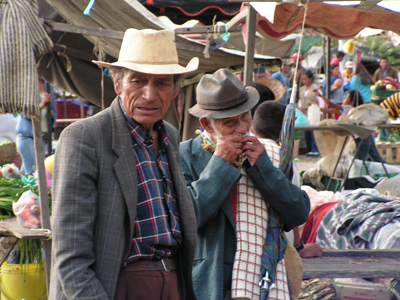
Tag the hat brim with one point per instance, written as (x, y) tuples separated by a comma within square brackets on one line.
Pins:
[(228, 113), (153, 68)]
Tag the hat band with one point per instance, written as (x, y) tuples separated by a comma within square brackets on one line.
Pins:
[(148, 62), (231, 103)]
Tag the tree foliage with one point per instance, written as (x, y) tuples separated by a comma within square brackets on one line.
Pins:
[(385, 48)]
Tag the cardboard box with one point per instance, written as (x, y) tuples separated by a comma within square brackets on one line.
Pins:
[(361, 291)]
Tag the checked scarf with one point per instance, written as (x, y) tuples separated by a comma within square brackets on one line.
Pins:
[(260, 244)]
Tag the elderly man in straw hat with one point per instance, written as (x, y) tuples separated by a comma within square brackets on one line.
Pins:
[(229, 174), (123, 222)]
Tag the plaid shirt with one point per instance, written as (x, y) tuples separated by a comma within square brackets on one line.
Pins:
[(157, 228)]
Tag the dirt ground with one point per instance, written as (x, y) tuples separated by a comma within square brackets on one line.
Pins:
[(304, 162)]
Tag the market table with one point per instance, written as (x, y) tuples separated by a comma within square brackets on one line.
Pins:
[(361, 263)]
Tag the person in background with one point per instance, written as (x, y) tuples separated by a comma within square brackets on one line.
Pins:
[(336, 81), (353, 99), (361, 82), (307, 98), (123, 222), (217, 165), (265, 94), (385, 70), (283, 77), (25, 144), (347, 73), (300, 71), (339, 58), (267, 126)]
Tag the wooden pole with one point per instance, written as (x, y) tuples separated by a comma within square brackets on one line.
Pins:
[(49, 122), (43, 198), (251, 24), (327, 68)]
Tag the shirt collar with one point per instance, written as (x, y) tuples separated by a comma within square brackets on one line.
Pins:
[(140, 135)]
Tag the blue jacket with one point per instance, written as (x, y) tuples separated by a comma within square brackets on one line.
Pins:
[(336, 96), (210, 181)]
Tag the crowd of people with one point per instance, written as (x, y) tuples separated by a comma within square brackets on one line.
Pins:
[(138, 215), (341, 84)]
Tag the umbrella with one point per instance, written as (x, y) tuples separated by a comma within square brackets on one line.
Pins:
[(273, 252), (287, 137), (275, 244)]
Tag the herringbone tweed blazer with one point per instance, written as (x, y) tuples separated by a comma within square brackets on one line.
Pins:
[(94, 208)]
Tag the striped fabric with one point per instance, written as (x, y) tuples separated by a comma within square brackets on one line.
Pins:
[(392, 103), (21, 37), (251, 231)]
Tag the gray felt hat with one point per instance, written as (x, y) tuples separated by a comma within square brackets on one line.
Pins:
[(222, 95)]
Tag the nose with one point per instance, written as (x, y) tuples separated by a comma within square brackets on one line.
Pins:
[(242, 127), (150, 92)]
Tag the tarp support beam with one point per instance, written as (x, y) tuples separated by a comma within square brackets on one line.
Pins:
[(250, 44)]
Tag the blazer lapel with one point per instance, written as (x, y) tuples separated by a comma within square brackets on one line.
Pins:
[(125, 166)]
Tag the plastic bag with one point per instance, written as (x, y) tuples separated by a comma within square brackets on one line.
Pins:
[(301, 119), (368, 115), (10, 171), (27, 210)]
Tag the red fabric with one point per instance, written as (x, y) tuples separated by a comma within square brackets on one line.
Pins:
[(289, 17), (334, 61), (233, 201), (309, 233)]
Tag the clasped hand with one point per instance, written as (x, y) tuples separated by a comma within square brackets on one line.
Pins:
[(230, 147)]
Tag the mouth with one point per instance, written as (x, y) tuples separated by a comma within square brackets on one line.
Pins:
[(147, 109)]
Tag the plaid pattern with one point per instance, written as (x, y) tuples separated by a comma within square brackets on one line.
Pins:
[(157, 224), (352, 223), (251, 232)]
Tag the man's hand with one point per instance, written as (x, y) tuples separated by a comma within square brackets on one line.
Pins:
[(46, 98), (252, 149), (229, 148)]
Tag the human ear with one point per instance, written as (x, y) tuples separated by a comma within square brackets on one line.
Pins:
[(117, 85), (206, 125)]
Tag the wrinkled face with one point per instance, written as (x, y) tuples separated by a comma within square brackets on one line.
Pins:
[(335, 72), (145, 97), (384, 63), (307, 81), (235, 125)]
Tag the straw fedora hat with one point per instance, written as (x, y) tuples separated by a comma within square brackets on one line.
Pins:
[(150, 51), (274, 85), (222, 95)]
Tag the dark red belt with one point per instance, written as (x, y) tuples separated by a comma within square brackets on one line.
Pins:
[(165, 264)]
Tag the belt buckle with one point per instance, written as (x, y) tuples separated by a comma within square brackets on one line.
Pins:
[(165, 267)]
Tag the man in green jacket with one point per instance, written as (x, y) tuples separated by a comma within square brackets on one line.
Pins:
[(213, 164)]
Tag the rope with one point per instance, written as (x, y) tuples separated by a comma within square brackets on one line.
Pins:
[(294, 90)]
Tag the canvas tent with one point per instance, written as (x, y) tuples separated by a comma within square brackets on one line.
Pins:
[(76, 51)]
